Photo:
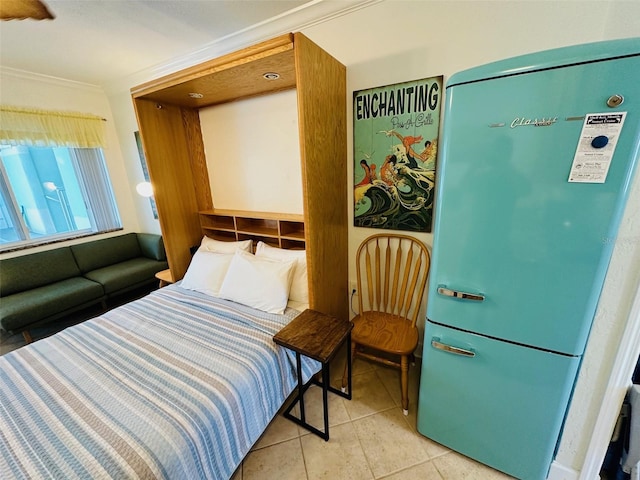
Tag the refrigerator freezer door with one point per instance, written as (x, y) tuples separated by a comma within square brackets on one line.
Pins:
[(493, 401), (557, 57), (520, 253)]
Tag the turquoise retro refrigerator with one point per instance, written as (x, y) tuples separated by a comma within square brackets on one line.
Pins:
[(535, 165)]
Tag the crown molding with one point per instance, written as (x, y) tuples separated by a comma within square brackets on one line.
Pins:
[(306, 16), (25, 75)]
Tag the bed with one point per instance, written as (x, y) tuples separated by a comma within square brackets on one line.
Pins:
[(176, 385)]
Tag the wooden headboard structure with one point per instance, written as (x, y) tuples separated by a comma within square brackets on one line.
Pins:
[(169, 123)]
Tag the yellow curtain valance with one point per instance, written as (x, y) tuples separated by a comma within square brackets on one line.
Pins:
[(47, 128)]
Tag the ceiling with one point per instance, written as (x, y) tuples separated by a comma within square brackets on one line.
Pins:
[(95, 41)]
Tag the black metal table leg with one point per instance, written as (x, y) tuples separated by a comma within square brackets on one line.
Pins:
[(325, 387), (301, 388)]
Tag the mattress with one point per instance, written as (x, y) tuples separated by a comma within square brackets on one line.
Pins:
[(175, 385)]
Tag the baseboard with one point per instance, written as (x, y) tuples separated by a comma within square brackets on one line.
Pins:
[(561, 472)]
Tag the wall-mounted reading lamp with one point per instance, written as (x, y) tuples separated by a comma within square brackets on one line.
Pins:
[(144, 189)]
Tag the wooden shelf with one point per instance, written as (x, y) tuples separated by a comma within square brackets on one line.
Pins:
[(292, 244), (292, 230), (218, 222), (260, 226), (224, 235), (278, 230)]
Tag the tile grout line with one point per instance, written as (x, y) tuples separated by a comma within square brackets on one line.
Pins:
[(304, 460)]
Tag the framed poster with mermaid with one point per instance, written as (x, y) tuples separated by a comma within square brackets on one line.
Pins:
[(395, 142)]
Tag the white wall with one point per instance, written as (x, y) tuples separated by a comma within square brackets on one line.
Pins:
[(23, 89), (394, 41), (253, 154)]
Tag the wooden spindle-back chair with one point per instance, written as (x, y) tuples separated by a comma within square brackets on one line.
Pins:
[(392, 271)]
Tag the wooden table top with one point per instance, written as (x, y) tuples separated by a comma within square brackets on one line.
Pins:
[(165, 276), (314, 335)]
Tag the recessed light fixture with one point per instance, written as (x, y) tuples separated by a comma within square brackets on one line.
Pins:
[(271, 76), (196, 95)]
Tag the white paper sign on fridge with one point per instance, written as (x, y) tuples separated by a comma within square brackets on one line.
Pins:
[(596, 146)]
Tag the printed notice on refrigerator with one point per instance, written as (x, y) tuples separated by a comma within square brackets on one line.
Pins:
[(597, 144)]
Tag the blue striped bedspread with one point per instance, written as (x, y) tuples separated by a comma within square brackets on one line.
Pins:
[(176, 385)]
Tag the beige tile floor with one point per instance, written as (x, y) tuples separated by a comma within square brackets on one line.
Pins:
[(370, 438)]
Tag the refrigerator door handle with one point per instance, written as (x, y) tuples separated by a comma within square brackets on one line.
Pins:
[(442, 290), (451, 349)]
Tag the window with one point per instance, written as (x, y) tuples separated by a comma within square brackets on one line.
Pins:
[(51, 188), (53, 194)]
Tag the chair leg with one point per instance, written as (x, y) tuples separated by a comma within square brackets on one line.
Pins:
[(27, 336), (345, 375), (404, 365)]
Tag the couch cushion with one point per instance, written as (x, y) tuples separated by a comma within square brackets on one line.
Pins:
[(152, 246), (108, 251), (22, 309), (18, 274), (125, 275)]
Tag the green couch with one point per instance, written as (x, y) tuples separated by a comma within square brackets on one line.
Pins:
[(46, 286)]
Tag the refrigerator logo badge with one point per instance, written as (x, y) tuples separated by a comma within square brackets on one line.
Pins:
[(533, 122)]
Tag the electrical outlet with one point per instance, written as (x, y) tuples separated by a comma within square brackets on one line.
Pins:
[(353, 287)]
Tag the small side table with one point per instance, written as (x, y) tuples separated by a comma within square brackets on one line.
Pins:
[(164, 277), (318, 336)]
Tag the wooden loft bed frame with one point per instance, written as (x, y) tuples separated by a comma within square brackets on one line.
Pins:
[(169, 124)]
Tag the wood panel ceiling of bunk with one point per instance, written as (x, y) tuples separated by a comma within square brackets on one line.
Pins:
[(231, 77)]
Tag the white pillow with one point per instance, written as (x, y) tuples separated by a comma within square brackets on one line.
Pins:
[(260, 283), (219, 246), (206, 272), (299, 284)]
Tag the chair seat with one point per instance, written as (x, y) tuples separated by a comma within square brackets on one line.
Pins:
[(385, 332)]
